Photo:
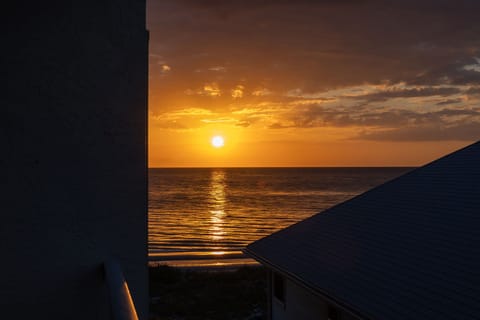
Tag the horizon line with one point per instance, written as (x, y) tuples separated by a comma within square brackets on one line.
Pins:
[(277, 167)]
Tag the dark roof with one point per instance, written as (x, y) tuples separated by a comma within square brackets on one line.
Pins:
[(409, 248)]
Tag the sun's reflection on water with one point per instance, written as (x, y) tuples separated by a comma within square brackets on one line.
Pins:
[(217, 204)]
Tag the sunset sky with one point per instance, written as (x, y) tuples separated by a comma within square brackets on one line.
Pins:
[(312, 83)]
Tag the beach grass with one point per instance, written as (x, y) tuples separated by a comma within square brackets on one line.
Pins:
[(207, 293)]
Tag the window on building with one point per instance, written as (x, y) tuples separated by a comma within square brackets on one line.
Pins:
[(333, 313), (279, 287)]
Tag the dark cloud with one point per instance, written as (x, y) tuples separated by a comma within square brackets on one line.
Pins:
[(473, 91), (278, 125), (388, 121), (169, 125), (243, 123), (322, 117), (409, 93), (449, 101), (452, 74), (469, 131), (220, 5), (425, 47), (457, 112), (321, 44)]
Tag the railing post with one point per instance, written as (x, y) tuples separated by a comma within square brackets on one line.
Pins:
[(121, 302)]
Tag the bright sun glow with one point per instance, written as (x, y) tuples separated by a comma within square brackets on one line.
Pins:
[(218, 141)]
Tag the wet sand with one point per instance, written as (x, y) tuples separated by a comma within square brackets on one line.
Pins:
[(232, 260)]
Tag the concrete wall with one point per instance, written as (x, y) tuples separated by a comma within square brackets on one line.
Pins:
[(302, 304), (73, 156)]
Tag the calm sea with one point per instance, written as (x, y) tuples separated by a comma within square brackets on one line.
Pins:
[(211, 213)]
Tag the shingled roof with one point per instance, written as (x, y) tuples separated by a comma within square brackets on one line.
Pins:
[(409, 248)]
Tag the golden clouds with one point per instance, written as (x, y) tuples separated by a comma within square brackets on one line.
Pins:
[(237, 92), (261, 92), (212, 89), (323, 73), (219, 120), (165, 68)]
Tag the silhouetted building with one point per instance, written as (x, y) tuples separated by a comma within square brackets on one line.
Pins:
[(408, 249), (73, 160)]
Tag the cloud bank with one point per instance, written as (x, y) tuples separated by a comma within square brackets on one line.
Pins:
[(388, 70)]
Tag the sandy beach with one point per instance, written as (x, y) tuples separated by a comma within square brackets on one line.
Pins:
[(210, 290)]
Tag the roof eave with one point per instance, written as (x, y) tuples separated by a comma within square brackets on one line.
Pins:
[(315, 290)]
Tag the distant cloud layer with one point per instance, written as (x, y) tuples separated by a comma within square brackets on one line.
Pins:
[(387, 70)]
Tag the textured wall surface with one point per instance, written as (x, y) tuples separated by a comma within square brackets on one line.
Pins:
[(73, 160), (302, 304)]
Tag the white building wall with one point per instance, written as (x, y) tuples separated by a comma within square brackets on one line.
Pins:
[(301, 303), (73, 178)]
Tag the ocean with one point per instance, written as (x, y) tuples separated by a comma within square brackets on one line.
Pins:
[(202, 216)]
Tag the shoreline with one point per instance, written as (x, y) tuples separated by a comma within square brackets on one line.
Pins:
[(201, 260)]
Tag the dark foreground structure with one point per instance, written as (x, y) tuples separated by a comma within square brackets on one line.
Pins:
[(408, 249), (73, 160)]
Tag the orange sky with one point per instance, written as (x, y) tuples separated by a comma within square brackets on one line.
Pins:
[(311, 83)]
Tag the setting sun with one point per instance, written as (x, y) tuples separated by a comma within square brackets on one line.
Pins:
[(307, 108), (217, 141)]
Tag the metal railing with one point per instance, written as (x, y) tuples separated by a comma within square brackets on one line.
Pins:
[(120, 299)]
